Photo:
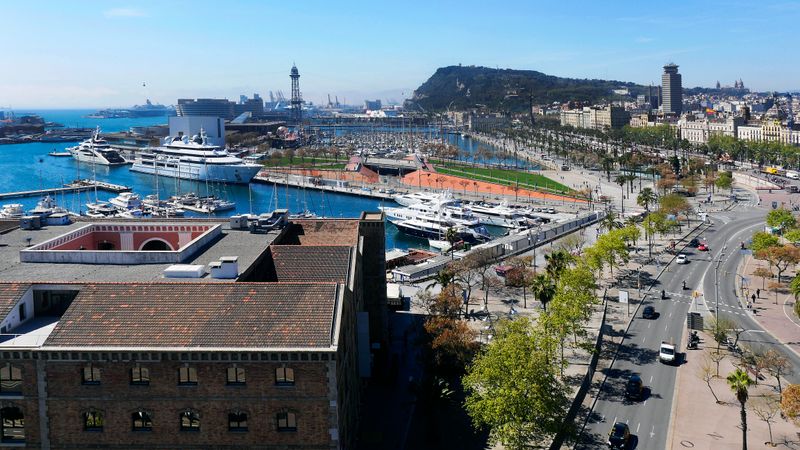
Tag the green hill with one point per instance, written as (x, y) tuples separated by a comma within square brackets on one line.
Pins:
[(509, 89)]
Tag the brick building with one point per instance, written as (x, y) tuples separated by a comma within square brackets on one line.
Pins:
[(118, 355)]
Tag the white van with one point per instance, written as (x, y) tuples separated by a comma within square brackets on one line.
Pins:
[(792, 175)]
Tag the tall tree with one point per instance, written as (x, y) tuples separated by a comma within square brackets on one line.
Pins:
[(543, 289), (514, 390), (646, 198), (739, 382)]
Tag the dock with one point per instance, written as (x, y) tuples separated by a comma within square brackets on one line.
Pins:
[(75, 186), (347, 190)]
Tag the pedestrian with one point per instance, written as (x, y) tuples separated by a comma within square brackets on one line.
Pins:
[(754, 298), (758, 293)]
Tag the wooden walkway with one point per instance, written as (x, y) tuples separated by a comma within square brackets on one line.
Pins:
[(78, 186)]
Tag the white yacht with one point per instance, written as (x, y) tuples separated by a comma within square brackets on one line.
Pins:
[(446, 209), (96, 150), (126, 201), (101, 209), (412, 198), (498, 215), (12, 211), (194, 159), (430, 221)]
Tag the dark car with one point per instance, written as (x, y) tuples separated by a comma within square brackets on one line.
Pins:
[(634, 387), (619, 436), (694, 243), (648, 312)]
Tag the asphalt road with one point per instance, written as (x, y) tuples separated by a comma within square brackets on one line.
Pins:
[(649, 418)]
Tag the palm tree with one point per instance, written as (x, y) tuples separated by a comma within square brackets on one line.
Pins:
[(645, 198), (451, 236), (609, 222), (739, 382), (794, 286), (556, 261), (443, 278), (621, 180), (543, 289)]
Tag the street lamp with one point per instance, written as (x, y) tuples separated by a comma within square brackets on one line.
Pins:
[(716, 281)]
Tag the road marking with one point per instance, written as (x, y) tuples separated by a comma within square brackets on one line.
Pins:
[(626, 421), (648, 324), (651, 379), (644, 339), (666, 327), (645, 403), (670, 313), (652, 432), (637, 427), (615, 419)]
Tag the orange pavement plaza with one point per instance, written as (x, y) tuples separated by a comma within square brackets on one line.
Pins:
[(433, 180)]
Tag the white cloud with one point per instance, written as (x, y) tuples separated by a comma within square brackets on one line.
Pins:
[(124, 12)]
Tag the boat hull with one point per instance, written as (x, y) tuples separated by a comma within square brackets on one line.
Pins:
[(240, 173)]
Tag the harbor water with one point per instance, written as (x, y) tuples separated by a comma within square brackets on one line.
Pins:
[(28, 166)]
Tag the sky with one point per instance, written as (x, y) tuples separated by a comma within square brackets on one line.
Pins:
[(91, 54)]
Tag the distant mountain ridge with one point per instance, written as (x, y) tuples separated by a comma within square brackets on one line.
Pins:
[(463, 87)]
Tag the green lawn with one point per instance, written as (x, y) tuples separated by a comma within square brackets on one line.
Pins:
[(506, 177), (307, 161)]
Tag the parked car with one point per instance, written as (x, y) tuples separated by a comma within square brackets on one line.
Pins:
[(681, 259), (648, 312), (619, 436), (634, 388), (694, 243), (703, 247)]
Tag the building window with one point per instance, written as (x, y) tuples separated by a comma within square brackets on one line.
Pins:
[(10, 380), (284, 376), (187, 376), (287, 421), (12, 422), (140, 375), (91, 374), (236, 375), (190, 421), (141, 421), (93, 421), (237, 421)]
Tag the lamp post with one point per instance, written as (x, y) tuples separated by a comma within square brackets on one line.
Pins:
[(716, 281)]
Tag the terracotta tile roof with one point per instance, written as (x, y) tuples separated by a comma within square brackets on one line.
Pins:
[(245, 315), (313, 264), (10, 293), (321, 232)]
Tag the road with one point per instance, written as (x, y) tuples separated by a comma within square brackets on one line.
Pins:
[(648, 418)]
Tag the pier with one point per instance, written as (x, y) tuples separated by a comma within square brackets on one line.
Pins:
[(348, 190), (75, 186)]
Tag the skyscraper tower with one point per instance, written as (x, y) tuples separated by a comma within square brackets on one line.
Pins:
[(297, 101), (672, 91)]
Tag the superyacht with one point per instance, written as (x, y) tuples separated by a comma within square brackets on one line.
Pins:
[(96, 150), (194, 159)]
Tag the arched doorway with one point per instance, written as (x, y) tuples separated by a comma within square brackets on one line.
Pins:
[(155, 245), (105, 245)]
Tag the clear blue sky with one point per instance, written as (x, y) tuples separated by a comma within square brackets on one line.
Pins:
[(93, 54)]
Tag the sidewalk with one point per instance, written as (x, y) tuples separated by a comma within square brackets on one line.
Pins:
[(698, 422), (772, 310)]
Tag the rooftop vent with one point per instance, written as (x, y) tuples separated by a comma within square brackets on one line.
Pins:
[(226, 268), (185, 271)]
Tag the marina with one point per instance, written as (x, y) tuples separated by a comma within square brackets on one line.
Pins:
[(31, 169)]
